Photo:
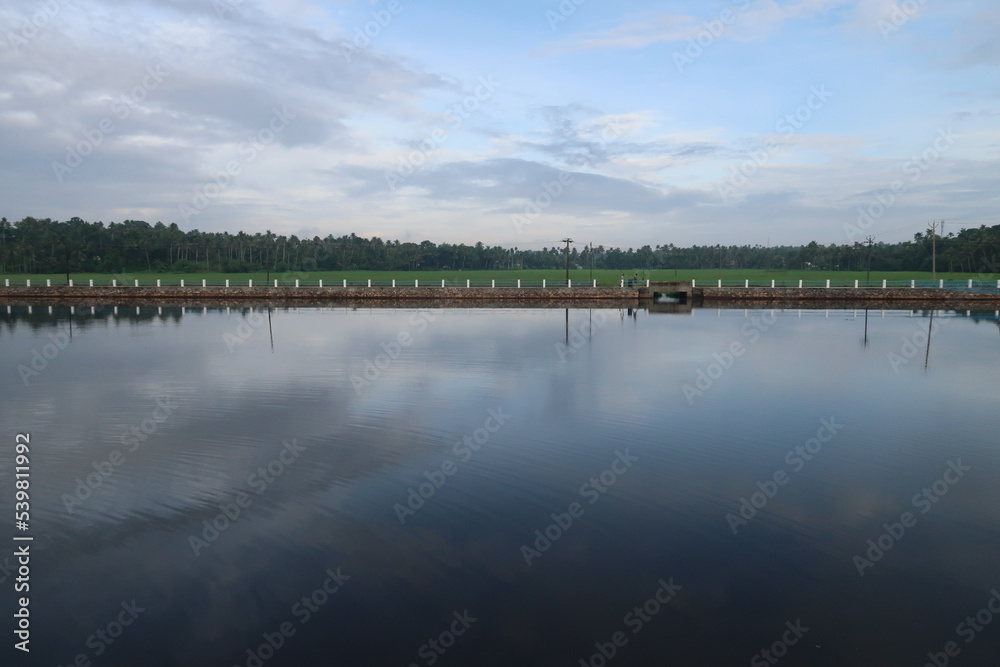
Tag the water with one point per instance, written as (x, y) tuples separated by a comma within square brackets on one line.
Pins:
[(411, 485)]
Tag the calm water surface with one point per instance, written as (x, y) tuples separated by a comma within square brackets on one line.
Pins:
[(377, 486)]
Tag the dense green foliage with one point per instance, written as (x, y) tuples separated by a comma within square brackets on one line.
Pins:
[(34, 246)]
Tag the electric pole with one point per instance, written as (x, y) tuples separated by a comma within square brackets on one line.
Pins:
[(871, 242), (933, 251), (591, 261), (567, 241)]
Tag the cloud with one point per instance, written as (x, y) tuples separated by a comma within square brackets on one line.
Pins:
[(83, 83), (602, 139), (978, 33), (744, 20), (504, 186)]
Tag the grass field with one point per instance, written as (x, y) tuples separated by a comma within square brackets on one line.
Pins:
[(603, 277)]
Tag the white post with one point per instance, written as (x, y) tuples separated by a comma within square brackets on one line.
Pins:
[(442, 282), (345, 282), (569, 282), (416, 282), (883, 284), (828, 283), (970, 283), (136, 283), (468, 283), (91, 282), (746, 283), (158, 282), (647, 283), (595, 282), (227, 282), (70, 284), (393, 282), (369, 282), (623, 283), (250, 283), (296, 282), (114, 283), (48, 282), (321, 283), (692, 284), (182, 283), (941, 284), (518, 283), (800, 284), (720, 283), (204, 283), (493, 283), (772, 283), (543, 282), (855, 284)]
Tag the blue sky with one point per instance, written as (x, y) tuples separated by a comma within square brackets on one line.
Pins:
[(519, 123)]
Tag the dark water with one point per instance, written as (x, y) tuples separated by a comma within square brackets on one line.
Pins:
[(584, 425)]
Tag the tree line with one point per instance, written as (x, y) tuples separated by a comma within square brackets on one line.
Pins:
[(42, 245)]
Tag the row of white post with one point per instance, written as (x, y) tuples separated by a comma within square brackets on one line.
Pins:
[(857, 283), (468, 283)]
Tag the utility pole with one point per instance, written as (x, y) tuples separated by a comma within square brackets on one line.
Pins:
[(933, 251), (871, 242), (933, 255), (567, 241)]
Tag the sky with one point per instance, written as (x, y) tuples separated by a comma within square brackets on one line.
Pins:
[(517, 124)]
